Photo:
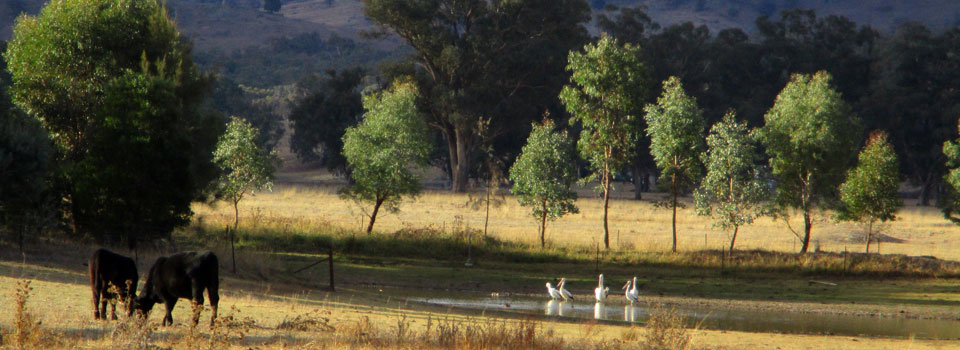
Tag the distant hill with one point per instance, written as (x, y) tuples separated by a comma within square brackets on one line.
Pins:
[(232, 24), (883, 15)]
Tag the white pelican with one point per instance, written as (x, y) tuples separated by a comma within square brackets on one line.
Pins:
[(554, 293), (563, 291), (601, 292), (631, 291)]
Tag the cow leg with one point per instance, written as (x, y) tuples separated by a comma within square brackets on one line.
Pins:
[(197, 301), (168, 317), (104, 299), (214, 300), (96, 303)]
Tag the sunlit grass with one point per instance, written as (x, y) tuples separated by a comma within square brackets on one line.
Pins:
[(634, 225)]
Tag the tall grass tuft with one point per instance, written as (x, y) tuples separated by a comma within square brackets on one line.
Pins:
[(665, 331)]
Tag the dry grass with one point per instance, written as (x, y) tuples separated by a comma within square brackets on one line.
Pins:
[(634, 225)]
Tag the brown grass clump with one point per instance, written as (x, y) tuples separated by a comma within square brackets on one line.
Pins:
[(665, 331), (28, 332), (314, 321)]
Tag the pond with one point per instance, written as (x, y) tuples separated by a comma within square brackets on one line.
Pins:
[(704, 318)]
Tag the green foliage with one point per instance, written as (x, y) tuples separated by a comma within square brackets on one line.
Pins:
[(607, 86), (606, 90), (246, 166), (392, 138), (497, 60), (323, 113), (810, 136), (870, 192), (675, 126), (116, 89), (543, 174), (950, 204), (733, 191), (233, 99)]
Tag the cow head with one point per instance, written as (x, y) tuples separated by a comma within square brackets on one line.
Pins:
[(143, 305)]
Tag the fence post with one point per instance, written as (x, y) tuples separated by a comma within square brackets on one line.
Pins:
[(330, 260)]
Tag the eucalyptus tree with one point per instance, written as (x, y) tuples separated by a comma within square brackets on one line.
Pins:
[(114, 84), (950, 203), (870, 192), (543, 174), (810, 138), (246, 167), (381, 150), (605, 95), (675, 125), (733, 189), (496, 59)]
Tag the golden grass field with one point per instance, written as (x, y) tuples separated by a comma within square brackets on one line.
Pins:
[(255, 307), (633, 224), (253, 316)]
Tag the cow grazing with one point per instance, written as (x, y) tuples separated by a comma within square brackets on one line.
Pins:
[(182, 275), (109, 269)]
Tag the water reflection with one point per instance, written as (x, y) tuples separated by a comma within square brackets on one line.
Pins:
[(629, 313), (553, 308), (710, 318)]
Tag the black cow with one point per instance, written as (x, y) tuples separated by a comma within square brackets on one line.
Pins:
[(111, 269), (182, 275)]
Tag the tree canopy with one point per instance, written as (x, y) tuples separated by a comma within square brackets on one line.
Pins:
[(870, 192), (733, 190), (607, 87), (810, 136), (543, 174), (381, 150), (675, 125), (114, 85), (326, 107), (500, 60)]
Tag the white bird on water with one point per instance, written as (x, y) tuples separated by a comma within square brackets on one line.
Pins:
[(554, 293), (563, 291), (631, 291), (601, 292)]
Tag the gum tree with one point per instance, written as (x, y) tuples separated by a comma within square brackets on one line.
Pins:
[(675, 126), (950, 203), (114, 85), (870, 193), (543, 174), (607, 87), (732, 191), (810, 137), (246, 167), (381, 150)]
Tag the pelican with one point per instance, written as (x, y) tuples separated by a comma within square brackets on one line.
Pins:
[(630, 291), (601, 292), (563, 291), (554, 293)]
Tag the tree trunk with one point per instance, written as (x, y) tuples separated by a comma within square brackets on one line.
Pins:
[(486, 218), (869, 233), (638, 179), (460, 148), (734, 239), (807, 226), (373, 216), (674, 189), (605, 184), (543, 227), (236, 223)]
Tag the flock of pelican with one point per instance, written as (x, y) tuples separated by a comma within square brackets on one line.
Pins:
[(600, 293)]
